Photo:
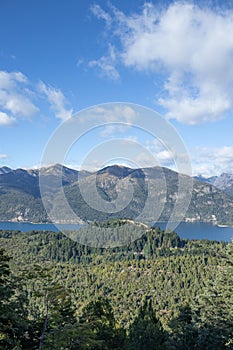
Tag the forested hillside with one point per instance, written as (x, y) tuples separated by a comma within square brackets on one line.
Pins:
[(21, 195), (158, 292)]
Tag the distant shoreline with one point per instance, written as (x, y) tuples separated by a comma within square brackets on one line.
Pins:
[(42, 223), (83, 223), (196, 231)]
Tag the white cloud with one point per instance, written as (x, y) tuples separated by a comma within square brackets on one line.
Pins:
[(4, 156), (101, 14), (163, 156), (57, 101), (206, 161), (10, 79), (106, 65), (111, 113), (130, 138), (212, 161), (111, 120), (17, 104), (193, 111), (6, 120), (17, 94), (191, 46), (115, 119), (144, 160), (113, 130), (14, 97)]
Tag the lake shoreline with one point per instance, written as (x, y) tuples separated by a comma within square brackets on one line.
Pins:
[(213, 223), (193, 231)]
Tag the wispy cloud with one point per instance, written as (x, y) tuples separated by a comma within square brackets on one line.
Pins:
[(4, 156), (115, 119), (101, 14), (116, 112), (106, 65), (162, 155), (6, 120), (15, 100), (189, 45), (17, 96), (57, 101), (212, 161)]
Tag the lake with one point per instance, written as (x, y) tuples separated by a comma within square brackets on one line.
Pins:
[(200, 230), (187, 230)]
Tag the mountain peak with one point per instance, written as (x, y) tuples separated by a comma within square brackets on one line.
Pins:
[(55, 169), (228, 175), (116, 170), (5, 170)]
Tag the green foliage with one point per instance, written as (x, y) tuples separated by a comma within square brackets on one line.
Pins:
[(183, 330), (215, 308), (98, 315), (12, 314), (16, 203), (58, 294), (146, 332)]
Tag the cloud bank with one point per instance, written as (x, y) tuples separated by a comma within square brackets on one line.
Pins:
[(19, 99), (212, 161), (190, 46), (14, 98)]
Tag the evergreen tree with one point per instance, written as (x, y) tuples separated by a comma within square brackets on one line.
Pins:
[(98, 316), (215, 308), (13, 320), (146, 332), (183, 330)]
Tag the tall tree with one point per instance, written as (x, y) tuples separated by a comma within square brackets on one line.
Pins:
[(215, 308), (146, 332), (13, 320), (98, 316), (184, 333)]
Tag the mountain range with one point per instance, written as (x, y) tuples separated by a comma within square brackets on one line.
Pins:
[(223, 182), (20, 195)]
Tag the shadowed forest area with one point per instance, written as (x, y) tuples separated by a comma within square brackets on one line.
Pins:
[(159, 292)]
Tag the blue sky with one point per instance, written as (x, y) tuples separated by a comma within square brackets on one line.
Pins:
[(60, 57)]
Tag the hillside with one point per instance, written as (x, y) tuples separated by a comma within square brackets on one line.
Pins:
[(154, 288), (224, 182), (20, 195)]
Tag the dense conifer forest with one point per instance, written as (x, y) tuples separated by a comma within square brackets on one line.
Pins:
[(157, 292)]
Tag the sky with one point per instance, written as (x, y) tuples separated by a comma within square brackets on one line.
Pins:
[(59, 58)]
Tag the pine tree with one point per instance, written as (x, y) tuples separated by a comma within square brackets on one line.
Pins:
[(13, 325), (146, 332), (103, 333), (183, 330), (215, 308)]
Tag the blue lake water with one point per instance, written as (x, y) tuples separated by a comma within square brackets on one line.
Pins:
[(184, 229), (27, 226), (200, 230)]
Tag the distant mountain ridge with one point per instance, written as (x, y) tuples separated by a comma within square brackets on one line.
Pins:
[(209, 180), (5, 170), (20, 197), (223, 182)]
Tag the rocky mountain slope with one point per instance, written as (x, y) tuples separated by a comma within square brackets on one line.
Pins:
[(153, 194), (223, 182)]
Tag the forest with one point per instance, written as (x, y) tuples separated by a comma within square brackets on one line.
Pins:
[(157, 292)]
